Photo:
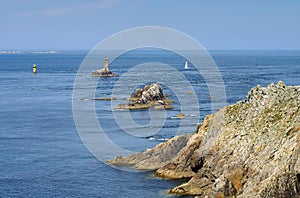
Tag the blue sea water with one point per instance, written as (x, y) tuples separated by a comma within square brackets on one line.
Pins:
[(41, 153)]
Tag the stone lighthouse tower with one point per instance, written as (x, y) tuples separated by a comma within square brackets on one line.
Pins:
[(105, 66)]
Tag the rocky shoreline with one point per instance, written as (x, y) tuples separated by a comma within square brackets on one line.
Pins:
[(248, 149)]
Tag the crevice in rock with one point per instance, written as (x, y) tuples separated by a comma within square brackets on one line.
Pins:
[(198, 165), (298, 183)]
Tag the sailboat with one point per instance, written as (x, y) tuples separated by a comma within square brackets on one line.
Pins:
[(186, 65)]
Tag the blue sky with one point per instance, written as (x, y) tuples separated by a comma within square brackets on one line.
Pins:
[(216, 24)]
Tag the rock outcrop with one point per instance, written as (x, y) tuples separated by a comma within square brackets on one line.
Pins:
[(248, 149), (147, 97), (155, 158)]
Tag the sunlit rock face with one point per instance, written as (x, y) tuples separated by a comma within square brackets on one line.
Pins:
[(248, 149)]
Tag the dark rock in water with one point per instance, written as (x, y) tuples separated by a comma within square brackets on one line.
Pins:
[(248, 149), (150, 96), (101, 73)]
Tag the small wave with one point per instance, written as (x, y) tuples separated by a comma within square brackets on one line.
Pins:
[(192, 115), (160, 139)]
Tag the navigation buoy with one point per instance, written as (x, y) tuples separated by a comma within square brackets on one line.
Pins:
[(34, 68)]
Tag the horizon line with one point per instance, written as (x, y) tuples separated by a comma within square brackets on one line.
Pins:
[(53, 49)]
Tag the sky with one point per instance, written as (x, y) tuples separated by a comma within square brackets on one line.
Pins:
[(216, 24)]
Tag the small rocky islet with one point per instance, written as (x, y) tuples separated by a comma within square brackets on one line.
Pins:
[(147, 97), (105, 71), (248, 149)]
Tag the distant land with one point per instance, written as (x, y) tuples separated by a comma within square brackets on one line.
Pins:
[(28, 52), (52, 51)]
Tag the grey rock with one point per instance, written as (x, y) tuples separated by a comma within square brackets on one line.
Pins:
[(147, 97)]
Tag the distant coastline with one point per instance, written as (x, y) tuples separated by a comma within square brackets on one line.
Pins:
[(29, 52), (213, 51)]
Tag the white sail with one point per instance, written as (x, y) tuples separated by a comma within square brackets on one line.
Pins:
[(186, 65)]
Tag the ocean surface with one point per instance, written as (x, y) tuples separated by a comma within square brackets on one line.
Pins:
[(41, 153)]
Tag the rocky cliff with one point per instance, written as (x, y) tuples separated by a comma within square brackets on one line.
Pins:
[(248, 149)]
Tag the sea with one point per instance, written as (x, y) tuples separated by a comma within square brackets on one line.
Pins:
[(42, 153)]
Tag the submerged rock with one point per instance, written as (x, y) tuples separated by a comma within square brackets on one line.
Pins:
[(248, 149), (147, 97), (180, 115), (112, 98)]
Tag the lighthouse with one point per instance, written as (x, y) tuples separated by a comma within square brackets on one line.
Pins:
[(105, 66), (105, 72)]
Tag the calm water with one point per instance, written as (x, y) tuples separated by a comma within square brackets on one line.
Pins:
[(41, 153)]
